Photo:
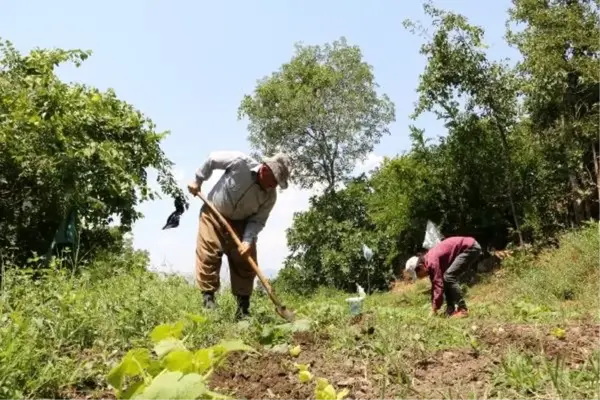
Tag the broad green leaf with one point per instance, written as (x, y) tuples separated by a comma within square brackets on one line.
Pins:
[(154, 368), (133, 390), (165, 331), (321, 383), (133, 364), (116, 376), (198, 319), (203, 360), (179, 360), (227, 346), (270, 334), (174, 385), (216, 396), (301, 325), (167, 345)]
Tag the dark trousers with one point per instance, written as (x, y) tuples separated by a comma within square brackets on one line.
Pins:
[(452, 291)]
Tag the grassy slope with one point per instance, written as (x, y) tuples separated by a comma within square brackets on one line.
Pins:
[(59, 337)]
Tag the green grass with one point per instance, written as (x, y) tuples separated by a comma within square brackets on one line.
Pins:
[(61, 334)]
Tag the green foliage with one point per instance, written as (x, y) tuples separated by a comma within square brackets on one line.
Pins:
[(519, 161), (278, 334), (448, 183), (63, 334), (520, 153), (578, 250), (326, 244), (322, 108), (325, 391), (560, 78), (69, 147), (458, 68), (62, 329), (522, 375), (176, 372)]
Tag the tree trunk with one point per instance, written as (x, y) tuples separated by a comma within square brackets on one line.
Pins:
[(514, 211), (587, 210), (577, 200), (509, 183), (596, 168)]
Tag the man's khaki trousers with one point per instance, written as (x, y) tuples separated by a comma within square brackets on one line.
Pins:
[(213, 241)]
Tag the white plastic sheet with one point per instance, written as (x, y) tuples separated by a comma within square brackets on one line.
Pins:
[(367, 253), (361, 291), (432, 235)]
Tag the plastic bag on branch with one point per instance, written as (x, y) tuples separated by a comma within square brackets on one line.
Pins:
[(432, 235)]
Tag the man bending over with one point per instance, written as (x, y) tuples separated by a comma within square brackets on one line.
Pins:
[(245, 196), (444, 263)]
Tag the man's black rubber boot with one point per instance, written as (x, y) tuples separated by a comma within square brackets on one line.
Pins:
[(243, 309), (208, 300)]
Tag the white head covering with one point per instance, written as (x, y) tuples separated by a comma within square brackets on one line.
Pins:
[(411, 265)]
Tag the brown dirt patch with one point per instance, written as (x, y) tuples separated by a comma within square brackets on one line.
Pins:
[(273, 376), (455, 373), (86, 394), (579, 342), (451, 373)]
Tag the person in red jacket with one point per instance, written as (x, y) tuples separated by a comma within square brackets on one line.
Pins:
[(444, 263)]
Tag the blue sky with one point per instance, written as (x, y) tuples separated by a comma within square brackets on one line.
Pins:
[(187, 65)]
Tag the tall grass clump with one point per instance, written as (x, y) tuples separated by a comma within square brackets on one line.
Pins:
[(569, 272), (62, 329)]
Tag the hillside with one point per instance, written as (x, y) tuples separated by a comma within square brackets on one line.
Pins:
[(483, 122), (532, 333)]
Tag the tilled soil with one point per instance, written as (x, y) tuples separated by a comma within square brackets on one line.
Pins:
[(273, 376), (449, 373), (455, 373), (574, 348)]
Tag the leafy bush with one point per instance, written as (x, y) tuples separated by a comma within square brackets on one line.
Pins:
[(69, 150), (326, 244), (176, 373)]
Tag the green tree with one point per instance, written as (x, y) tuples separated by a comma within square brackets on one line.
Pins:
[(66, 147), (560, 44), (458, 69), (323, 109), (326, 243), (453, 183)]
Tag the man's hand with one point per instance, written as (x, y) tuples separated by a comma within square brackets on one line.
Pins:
[(244, 248), (194, 188)]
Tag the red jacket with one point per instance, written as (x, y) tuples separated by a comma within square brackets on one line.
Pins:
[(437, 261)]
